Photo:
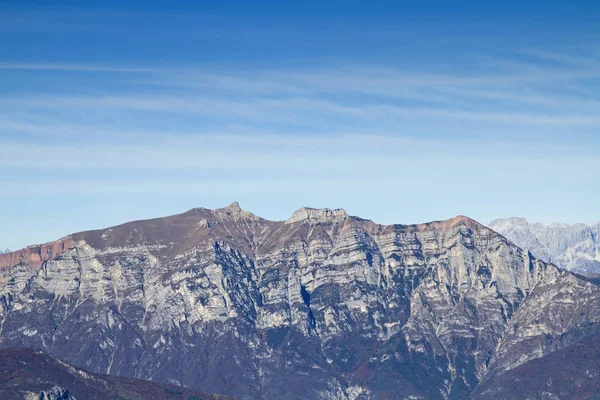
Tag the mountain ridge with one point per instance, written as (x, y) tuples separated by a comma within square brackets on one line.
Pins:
[(573, 247), (35, 254)]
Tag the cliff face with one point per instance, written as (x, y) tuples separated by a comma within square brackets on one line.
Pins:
[(572, 247), (321, 306)]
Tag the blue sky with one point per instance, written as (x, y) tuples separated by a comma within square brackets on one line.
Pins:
[(401, 112)]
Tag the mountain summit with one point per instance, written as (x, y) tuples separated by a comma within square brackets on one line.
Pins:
[(323, 305)]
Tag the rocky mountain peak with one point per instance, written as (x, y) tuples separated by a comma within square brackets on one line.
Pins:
[(448, 224), (234, 211), (234, 207), (314, 215), (470, 222)]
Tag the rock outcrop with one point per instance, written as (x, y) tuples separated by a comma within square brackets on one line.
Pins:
[(321, 306), (572, 247), (54, 393)]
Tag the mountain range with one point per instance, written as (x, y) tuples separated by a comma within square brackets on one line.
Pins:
[(572, 247), (323, 305)]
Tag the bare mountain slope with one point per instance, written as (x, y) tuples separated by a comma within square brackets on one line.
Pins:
[(31, 374)]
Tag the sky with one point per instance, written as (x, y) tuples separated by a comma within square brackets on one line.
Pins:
[(399, 112)]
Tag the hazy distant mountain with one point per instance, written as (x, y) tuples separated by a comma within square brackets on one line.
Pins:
[(573, 247), (31, 374), (321, 306)]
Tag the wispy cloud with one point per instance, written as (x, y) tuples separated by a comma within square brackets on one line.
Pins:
[(544, 89), (298, 110), (73, 67), (587, 60), (279, 155)]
